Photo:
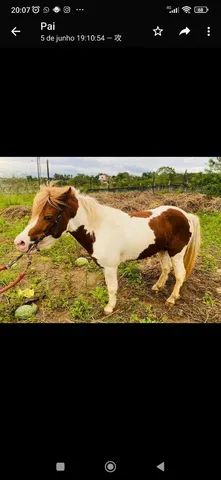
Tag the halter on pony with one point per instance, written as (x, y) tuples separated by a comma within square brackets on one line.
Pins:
[(32, 247)]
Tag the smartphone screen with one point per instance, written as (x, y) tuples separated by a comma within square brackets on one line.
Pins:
[(110, 240)]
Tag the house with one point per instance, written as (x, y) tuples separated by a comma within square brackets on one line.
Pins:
[(103, 178)]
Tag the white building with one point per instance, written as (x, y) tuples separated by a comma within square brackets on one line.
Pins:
[(103, 178)]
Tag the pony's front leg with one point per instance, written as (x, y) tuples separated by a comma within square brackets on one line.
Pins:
[(110, 274)]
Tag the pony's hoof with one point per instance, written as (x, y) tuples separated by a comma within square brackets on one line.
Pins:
[(108, 310), (170, 302), (155, 288)]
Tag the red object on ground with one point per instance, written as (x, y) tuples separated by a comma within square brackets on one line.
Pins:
[(12, 284), (3, 267)]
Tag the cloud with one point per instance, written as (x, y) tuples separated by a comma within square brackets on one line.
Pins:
[(22, 166)]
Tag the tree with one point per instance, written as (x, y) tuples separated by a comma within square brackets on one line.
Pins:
[(166, 174), (166, 171), (185, 177), (215, 165), (147, 174)]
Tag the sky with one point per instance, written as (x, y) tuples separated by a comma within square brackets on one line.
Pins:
[(22, 166)]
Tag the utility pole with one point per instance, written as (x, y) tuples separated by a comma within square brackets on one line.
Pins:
[(48, 170), (154, 182), (39, 170)]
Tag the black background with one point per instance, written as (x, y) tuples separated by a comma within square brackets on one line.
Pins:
[(90, 393)]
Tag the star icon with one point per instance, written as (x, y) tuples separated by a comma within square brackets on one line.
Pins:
[(157, 31)]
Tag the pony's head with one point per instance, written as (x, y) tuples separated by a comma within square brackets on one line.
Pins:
[(52, 209)]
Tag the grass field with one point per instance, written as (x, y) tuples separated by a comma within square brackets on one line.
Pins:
[(66, 293)]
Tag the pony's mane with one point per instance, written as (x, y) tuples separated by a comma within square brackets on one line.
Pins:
[(92, 209), (51, 194)]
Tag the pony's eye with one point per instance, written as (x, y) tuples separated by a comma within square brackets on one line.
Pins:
[(48, 218)]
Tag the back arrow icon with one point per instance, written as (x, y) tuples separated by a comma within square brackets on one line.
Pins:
[(161, 466), (185, 30), (14, 31)]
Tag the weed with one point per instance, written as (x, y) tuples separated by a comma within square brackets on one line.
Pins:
[(209, 262), (134, 318), (81, 309), (53, 302), (63, 251), (7, 276), (131, 271), (100, 294), (146, 314), (208, 299), (93, 267)]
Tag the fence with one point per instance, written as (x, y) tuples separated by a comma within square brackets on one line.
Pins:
[(153, 188), (8, 186)]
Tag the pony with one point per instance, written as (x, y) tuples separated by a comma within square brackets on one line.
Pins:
[(112, 236)]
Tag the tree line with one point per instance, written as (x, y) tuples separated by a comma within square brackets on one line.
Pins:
[(208, 182)]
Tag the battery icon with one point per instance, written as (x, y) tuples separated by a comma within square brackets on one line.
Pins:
[(202, 9)]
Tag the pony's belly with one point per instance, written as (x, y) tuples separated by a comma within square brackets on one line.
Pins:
[(141, 248), (116, 245), (144, 252)]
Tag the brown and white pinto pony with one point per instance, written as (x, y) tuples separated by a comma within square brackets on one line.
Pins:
[(111, 236)]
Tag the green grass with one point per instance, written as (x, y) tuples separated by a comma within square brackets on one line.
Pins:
[(211, 240), (9, 199), (9, 229), (64, 251)]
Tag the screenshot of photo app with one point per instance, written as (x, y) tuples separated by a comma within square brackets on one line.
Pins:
[(110, 24), (110, 240)]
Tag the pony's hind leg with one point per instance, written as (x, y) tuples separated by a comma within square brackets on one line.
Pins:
[(110, 274), (180, 274), (166, 266)]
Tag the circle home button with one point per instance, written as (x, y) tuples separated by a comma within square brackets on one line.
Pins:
[(110, 466)]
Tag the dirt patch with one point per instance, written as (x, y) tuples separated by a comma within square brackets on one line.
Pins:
[(199, 300), (57, 316), (15, 212), (136, 201)]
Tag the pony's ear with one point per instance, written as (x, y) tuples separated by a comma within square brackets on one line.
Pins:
[(69, 192), (66, 195)]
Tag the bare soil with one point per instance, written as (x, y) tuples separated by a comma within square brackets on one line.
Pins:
[(15, 212), (136, 200)]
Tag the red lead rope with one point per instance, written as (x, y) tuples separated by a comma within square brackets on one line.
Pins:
[(17, 280), (11, 284)]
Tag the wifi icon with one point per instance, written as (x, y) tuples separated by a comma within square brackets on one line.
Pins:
[(187, 9)]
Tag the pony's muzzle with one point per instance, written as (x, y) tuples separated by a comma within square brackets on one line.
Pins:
[(22, 245)]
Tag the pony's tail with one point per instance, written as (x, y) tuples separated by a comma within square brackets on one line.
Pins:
[(193, 245)]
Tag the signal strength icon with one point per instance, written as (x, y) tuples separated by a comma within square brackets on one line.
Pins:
[(187, 9), (175, 10)]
